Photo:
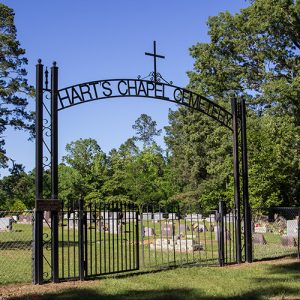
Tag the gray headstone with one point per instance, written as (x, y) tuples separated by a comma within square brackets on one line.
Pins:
[(25, 219), (147, 216), (114, 226), (258, 238), (167, 230), (148, 231), (288, 241), (292, 228), (6, 224)]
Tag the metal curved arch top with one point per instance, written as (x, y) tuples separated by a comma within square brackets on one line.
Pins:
[(114, 88)]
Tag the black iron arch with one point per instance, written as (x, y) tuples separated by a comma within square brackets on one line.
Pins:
[(49, 101), (115, 88)]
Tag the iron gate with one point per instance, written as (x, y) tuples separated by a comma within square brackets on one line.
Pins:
[(97, 239)]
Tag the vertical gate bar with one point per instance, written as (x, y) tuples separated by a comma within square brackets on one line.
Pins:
[(148, 245), (192, 210), (198, 235), (122, 254), (142, 235), (211, 239), (73, 243), (95, 236), (185, 233), (237, 200), (54, 170), (160, 220), (113, 241), (119, 219), (104, 234), (132, 217), (247, 209), (125, 239), (155, 254), (109, 233), (68, 236), (129, 237), (221, 232), (90, 239), (100, 235), (137, 238), (179, 233), (173, 234), (80, 240), (38, 220)]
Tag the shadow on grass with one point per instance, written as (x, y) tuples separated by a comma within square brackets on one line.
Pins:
[(160, 294)]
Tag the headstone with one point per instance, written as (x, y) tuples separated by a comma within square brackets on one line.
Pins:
[(167, 230), (148, 232), (157, 216), (114, 226), (260, 229), (25, 219), (258, 238), (6, 224), (292, 228), (129, 215), (288, 241), (172, 216), (147, 216)]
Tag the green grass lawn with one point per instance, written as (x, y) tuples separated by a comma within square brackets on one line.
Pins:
[(280, 279)]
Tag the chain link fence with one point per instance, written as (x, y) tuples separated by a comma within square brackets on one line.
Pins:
[(15, 246), (275, 232)]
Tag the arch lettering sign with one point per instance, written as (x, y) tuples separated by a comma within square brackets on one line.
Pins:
[(113, 88)]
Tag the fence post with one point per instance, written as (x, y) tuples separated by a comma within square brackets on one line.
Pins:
[(221, 214), (81, 240), (54, 171), (247, 208), (237, 195), (38, 215)]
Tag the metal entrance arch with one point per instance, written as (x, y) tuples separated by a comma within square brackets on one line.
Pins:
[(49, 101)]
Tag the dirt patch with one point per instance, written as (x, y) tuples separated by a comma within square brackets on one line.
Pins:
[(267, 262), (17, 290)]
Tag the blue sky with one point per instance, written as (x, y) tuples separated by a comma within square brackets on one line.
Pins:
[(93, 40)]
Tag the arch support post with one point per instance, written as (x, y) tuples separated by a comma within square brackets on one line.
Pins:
[(54, 171), (246, 204), (37, 259), (237, 195)]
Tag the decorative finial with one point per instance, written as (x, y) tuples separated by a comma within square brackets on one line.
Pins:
[(39, 61), (54, 64)]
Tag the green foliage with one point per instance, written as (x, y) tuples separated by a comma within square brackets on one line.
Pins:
[(252, 54), (145, 130), (13, 84)]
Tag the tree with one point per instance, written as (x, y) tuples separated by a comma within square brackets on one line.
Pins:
[(14, 88), (252, 54), (145, 130), (84, 171), (255, 54)]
